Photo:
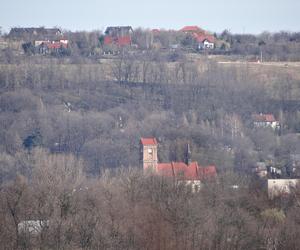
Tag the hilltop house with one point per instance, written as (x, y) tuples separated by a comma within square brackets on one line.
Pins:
[(265, 121), (188, 172), (203, 39), (118, 35)]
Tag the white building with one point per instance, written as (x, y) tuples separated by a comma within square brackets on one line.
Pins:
[(278, 187)]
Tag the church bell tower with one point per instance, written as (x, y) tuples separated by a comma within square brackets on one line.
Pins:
[(149, 153)]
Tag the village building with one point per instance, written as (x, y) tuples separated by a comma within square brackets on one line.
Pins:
[(265, 121), (187, 172), (277, 187), (46, 47), (118, 35), (203, 39), (51, 46)]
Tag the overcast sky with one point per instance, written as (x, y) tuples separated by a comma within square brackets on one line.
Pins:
[(239, 16)]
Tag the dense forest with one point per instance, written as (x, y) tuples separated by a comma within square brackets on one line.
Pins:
[(69, 151)]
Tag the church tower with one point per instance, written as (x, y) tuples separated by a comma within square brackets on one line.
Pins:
[(188, 155), (149, 153)]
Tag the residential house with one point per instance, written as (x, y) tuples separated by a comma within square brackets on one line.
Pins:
[(265, 121), (118, 35), (187, 172), (47, 47), (203, 39)]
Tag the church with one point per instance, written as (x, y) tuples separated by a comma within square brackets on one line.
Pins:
[(188, 171)]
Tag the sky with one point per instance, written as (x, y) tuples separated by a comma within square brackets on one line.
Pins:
[(238, 16)]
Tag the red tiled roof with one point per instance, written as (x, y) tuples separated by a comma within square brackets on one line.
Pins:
[(263, 118), (181, 171), (165, 169), (191, 29), (207, 172), (202, 37), (148, 141), (191, 172)]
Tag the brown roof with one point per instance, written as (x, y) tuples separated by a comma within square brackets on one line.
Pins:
[(263, 118), (202, 37), (148, 141)]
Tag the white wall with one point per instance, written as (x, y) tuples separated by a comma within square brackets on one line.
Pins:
[(280, 186)]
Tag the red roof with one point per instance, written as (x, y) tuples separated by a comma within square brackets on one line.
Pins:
[(207, 172), (181, 171), (263, 118), (202, 37), (192, 29), (165, 169), (148, 141)]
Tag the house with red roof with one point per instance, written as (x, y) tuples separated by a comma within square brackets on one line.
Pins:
[(203, 39), (188, 172), (265, 121), (118, 35)]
